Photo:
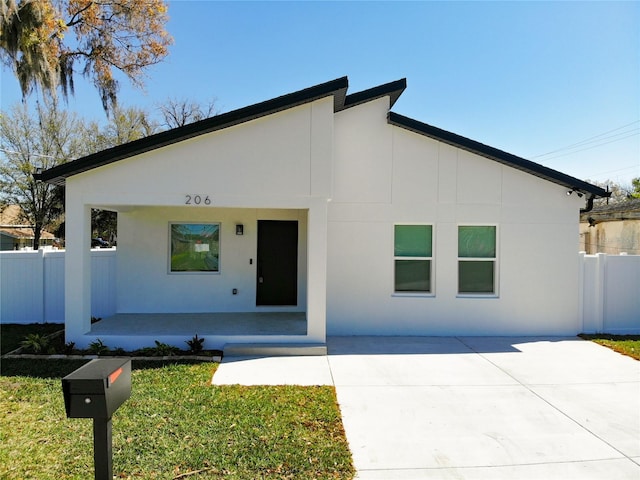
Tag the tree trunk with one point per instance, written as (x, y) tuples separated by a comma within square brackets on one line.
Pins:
[(37, 232)]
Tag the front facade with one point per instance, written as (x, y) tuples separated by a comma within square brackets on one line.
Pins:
[(330, 207)]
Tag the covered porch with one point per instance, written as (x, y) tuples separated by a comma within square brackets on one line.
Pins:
[(153, 302), (197, 213)]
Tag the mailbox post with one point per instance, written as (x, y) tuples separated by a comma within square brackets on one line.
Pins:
[(96, 390)]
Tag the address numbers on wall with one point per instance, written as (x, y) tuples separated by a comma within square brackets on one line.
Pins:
[(197, 199)]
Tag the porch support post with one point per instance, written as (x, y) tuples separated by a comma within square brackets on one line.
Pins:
[(321, 163), (77, 279), (317, 270)]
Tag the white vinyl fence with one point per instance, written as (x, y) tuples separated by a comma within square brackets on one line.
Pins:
[(610, 293), (32, 285), (32, 289)]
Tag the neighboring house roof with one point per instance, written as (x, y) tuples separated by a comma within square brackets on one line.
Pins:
[(11, 224), (25, 233), (10, 215), (341, 101), (626, 210)]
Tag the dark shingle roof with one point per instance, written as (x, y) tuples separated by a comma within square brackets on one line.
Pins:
[(341, 101)]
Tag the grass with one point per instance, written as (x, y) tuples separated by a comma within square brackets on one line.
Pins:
[(175, 425), (625, 344)]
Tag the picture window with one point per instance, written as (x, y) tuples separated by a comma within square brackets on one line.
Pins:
[(194, 247)]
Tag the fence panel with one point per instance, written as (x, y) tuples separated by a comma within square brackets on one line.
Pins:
[(611, 293), (103, 283), (32, 285), (622, 294), (21, 287), (54, 287), (591, 308)]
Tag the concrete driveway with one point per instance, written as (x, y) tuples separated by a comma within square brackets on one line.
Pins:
[(472, 407)]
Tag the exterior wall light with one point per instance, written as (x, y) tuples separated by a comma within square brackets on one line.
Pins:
[(239, 229)]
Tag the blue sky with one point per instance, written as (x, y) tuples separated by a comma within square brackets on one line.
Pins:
[(527, 77)]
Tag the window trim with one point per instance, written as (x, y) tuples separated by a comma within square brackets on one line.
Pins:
[(495, 260), (194, 272), (432, 291)]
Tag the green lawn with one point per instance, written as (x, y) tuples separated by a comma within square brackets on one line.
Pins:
[(175, 425)]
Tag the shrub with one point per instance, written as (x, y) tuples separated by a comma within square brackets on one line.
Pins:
[(160, 350), (195, 344), (35, 342), (97, 347)]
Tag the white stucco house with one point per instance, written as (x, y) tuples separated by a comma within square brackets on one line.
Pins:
[(322, 213)]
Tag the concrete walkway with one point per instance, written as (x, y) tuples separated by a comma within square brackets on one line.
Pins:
[(472, 407)]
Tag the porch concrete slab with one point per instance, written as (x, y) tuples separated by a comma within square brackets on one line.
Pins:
[(290, 370), (213, 323)]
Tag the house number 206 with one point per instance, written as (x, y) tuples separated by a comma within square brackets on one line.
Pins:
[(192, 199)]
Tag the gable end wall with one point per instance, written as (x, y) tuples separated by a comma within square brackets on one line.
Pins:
[(385, 175), (284, 155)]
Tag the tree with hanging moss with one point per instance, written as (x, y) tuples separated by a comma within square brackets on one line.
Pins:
[(47, 42)]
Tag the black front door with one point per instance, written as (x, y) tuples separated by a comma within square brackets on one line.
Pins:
[(277, 272)]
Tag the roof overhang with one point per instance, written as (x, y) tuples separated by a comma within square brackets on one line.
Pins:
[(393, 90)]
